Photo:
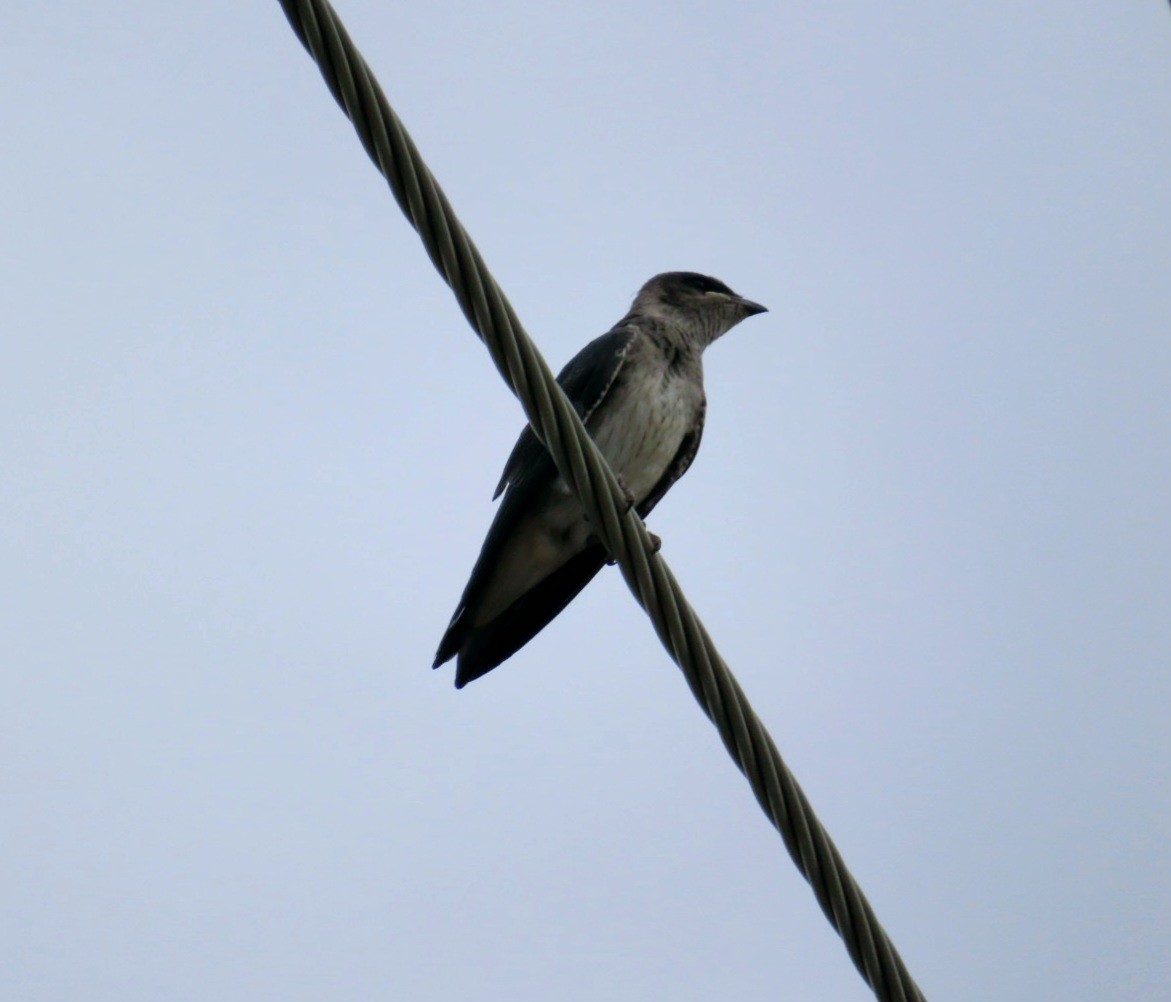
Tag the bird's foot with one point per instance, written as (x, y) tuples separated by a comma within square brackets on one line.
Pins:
[(627, 493)]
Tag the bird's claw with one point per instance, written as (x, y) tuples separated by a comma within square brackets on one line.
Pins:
[(627, 493)]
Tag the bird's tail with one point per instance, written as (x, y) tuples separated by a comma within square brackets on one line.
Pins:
[(482, 648)]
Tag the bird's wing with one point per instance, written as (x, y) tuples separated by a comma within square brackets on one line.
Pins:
[(677, 467), (485, 647), (586, 380), (527, 475)]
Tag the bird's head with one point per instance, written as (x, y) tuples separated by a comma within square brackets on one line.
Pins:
[(699, 307)]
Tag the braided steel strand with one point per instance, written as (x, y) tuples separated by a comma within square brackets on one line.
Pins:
[(557, 424)]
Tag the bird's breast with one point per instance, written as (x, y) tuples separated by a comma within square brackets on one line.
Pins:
[(642, 429)]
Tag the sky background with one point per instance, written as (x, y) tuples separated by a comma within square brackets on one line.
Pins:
[(248, 445)]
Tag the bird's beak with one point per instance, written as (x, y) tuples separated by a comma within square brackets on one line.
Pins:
[(750, 308)]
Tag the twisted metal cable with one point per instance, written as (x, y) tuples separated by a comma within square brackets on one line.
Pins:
[(586, 471)]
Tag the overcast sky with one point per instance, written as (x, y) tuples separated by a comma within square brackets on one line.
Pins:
[(248, 445)]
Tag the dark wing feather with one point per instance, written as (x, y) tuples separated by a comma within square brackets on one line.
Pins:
[(586, 379), (485, 647), (531, 482), (528, 473)]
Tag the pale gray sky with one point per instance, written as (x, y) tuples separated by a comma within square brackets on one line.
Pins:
[(249, 444)]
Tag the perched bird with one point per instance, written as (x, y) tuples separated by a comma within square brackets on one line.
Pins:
[(639, 391)]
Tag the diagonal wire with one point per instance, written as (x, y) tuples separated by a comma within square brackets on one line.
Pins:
[(583, 467)]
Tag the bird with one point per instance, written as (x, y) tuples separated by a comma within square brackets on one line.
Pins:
[(638, 390)]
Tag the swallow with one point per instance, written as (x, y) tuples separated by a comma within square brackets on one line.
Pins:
[(638, 390)]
